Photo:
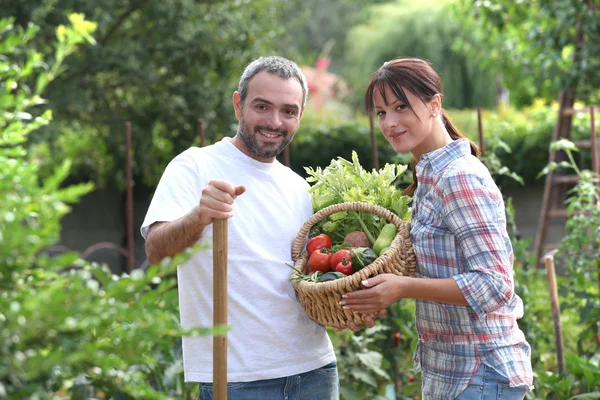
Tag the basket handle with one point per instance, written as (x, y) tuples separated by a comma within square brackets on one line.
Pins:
[(341, 207)]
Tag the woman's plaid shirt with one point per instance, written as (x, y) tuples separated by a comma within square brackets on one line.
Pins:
[(459, 231)]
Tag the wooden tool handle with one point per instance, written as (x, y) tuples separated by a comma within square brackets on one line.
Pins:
[(220, 308)]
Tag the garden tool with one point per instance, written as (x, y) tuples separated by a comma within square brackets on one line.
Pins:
[(220, 308)]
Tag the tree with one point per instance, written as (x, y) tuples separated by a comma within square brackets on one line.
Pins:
[(322, 25), (68, 327), (159, 64), (426, 30), (539, 47)]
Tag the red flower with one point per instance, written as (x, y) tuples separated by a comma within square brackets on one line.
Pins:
[(322, 63)]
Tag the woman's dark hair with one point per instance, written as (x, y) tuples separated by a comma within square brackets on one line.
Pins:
[(418, 77)]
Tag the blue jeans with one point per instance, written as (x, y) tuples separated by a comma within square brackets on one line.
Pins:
[(487, 384), (318, 384)]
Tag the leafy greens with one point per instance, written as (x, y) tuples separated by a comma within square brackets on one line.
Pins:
[(345, 181)]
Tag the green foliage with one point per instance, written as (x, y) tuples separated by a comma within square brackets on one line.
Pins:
[(372, 360), (361, 373), (347, 181), (579, 291), (317, 28), (520, 138), (526, 134), (538, 47), (159, 64), (188, 65), (424, 29), (30, 213), (581, 250), (69, 329), (80, 143), (344, 181)]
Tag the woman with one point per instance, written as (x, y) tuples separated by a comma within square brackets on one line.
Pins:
[(470, 346)]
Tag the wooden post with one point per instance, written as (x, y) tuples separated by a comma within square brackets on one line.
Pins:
[(201, 133), (286, 155), (551, 276), (595, 159), (480, 129), (374, 152), (220, 308), (594, 142), (129, 207)]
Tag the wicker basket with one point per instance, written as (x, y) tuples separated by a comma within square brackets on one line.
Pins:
[(321, 300)]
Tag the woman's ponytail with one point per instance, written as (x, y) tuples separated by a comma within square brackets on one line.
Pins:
[(455, 135)]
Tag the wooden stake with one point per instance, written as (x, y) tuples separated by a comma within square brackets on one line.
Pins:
[(551, 275), (201, 133), (129, 213), (374, 152), (480, 130), (286, 155), (220, 308)]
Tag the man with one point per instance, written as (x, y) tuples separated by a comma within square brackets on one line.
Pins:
[(274, 350)]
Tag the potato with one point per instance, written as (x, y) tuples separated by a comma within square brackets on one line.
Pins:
[(357, 239)]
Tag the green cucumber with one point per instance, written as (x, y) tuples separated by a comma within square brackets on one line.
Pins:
[(385, 238)]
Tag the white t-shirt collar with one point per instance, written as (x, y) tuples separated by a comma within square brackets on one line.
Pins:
[(231, 150)]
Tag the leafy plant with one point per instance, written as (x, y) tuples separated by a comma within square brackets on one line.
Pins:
[(31, 212), (69, 329), (579, 254), (345, 181), (161, 65), (537, 48)]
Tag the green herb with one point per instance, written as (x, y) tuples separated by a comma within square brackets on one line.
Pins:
[(300, 276)]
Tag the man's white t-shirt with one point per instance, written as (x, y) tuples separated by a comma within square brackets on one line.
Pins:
[(271, 336)]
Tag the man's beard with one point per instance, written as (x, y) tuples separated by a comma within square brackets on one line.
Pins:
[(268, 150)]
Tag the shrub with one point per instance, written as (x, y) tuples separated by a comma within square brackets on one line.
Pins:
[(69, 329)]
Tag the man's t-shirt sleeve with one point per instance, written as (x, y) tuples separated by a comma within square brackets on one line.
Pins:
[(178, 191)]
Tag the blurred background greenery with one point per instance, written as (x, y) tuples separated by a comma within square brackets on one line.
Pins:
[(165, 64)]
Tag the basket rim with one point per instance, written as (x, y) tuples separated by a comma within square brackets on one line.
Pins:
[(396, 247), (357, 277)]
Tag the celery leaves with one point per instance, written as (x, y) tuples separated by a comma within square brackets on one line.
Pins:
[(345, 181)]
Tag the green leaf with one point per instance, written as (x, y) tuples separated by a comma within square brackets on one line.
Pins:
[(563, 144), (372, 360), (363, 376), (41, 83), (587, 396)]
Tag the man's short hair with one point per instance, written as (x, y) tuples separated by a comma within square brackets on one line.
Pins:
[(275, 65)]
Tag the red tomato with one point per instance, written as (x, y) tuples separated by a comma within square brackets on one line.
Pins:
[(396, 339), (318, 242), (319, 260), (345, 267), (336, 258)]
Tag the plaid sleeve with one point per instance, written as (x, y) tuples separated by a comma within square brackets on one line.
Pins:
[(470, 211)]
